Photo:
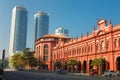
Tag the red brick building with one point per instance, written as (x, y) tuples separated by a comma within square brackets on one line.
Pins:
[(103, 42)]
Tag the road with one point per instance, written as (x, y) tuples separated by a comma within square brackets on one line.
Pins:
[(22, 75)]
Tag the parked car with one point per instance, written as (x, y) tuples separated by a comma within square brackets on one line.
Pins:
[(110, 73), (61, 71)]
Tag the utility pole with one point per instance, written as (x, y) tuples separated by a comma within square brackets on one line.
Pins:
[(3, 56), (2, 65)]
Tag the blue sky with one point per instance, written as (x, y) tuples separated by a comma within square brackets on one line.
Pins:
[(78, 16)]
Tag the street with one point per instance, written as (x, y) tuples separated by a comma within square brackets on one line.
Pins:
[(22, 75)]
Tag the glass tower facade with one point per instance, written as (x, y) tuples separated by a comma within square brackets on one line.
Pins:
[(41, 24), (18, 30), (61, 31)]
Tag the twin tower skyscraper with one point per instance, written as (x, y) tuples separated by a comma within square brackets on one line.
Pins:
[(19, 22)]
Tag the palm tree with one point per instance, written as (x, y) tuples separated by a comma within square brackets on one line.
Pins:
[(71, 63), (33, 62), (42, 65), (98, 63), (28, 58), (26, 50), (58, 64), (16, 61)]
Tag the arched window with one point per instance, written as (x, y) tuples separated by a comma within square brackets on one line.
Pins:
[(91, 48), (39, 54), (102, 45), (46, 49), (85, 49), (69, 52), (45, 55), (82, 49), (73, 51), (79, 50), (119, 42), (115, 43), (107, 45), (37, 51), (97, 47)]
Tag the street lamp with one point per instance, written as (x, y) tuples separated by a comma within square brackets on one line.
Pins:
[(3, 55)]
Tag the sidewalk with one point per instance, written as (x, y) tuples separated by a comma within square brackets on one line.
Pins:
[(78, 74)]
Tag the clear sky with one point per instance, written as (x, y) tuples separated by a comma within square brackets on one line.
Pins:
[(78, 16)]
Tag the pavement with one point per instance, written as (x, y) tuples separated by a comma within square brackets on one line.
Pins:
[(78, 74)]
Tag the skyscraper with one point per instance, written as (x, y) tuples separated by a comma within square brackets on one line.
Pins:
[(61, 31), (41, 24), (18, 34)]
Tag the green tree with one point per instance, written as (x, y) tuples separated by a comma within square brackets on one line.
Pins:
[(71, 63), (98, 63), (28, 58), (26, 50), (58, 64), (16, 61), (42, 65), (33, 62)]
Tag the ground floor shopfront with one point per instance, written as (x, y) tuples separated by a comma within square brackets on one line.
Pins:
[(112, 62)]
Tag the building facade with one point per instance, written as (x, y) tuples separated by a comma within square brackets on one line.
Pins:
[(18, 34), (103, 42), (41, 23)]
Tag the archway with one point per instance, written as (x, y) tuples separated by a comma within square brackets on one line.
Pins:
[(79, 67), (103, 66), (84, 67), (90, 66), (107, 65), (118, 63), (65, 65)]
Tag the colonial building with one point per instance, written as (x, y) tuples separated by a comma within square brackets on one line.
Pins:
[(102, 42)]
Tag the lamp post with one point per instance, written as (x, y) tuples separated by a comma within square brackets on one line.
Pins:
[(3, 56), (1, 70)]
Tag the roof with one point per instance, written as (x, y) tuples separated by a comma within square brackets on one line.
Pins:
[(53, 35)]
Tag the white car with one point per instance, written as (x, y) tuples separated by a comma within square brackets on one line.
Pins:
[(110, 73)]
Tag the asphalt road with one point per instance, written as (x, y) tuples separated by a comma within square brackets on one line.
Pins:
[(21, 75)]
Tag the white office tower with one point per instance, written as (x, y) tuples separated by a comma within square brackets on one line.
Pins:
[(18, 34), (61, 31)]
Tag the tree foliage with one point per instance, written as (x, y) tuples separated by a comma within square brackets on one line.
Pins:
[(58, 64), (98, 63), (16, 61), (43, 65), (26, 58), (72, 62)]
